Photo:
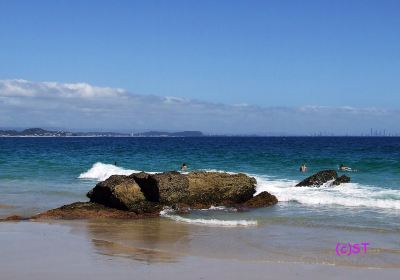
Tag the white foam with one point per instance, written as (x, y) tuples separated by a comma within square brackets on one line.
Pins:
[(101, 171), (168, 213), (219, 171), (349, 195), (220, 208)]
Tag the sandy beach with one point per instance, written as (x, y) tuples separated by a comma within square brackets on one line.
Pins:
[(82, 250)]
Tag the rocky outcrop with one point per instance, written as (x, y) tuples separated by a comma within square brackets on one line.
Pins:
[(322, 177), (147, 193), (144, 195)]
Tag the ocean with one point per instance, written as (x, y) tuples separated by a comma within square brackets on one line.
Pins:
[(37, 174)]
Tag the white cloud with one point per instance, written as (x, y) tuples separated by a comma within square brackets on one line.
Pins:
[(16, 88), (83, 106), (23, 88)]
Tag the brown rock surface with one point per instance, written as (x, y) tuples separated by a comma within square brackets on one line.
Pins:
[(215, 188), (263, 199), (166, 188), (89, 210), (123, 193)]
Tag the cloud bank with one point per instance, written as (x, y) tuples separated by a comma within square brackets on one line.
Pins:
[(81, 106)]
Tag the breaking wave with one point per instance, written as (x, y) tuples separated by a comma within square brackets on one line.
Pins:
[(168, 213), (101, 171), (349, 195)]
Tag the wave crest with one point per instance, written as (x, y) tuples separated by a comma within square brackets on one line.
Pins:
[(168, 213), (101, 171), (348, 195)]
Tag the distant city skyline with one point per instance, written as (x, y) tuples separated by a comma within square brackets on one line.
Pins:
[(239, 67), (62, 132)]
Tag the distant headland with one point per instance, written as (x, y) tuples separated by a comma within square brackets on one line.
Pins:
[(39, 132)]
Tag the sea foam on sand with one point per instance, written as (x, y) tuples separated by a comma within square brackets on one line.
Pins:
[(168, 213)]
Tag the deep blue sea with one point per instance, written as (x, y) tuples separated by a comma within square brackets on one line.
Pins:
[(37, 174)]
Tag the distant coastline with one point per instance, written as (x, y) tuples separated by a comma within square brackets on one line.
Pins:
[(39, 132)]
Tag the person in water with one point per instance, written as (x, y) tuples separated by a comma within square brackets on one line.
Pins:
[(303, 168), (183, 167), (344, 168)]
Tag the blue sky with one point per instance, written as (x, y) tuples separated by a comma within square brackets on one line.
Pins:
[(260, 53)]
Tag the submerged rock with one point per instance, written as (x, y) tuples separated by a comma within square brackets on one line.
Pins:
[(341, 180), (263, 199), (318, 179), (322, 177)]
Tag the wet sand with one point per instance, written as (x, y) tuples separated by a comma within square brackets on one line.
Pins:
[(150, 249)]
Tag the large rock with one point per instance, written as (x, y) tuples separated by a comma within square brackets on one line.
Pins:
[(318, 179), (215, 188), (149, 193), (196, 190)]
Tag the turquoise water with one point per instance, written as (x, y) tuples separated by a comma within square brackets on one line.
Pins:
[(37, 174), (41, 173), (376, 159)]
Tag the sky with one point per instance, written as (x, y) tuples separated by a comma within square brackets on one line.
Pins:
[(289, 67)]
